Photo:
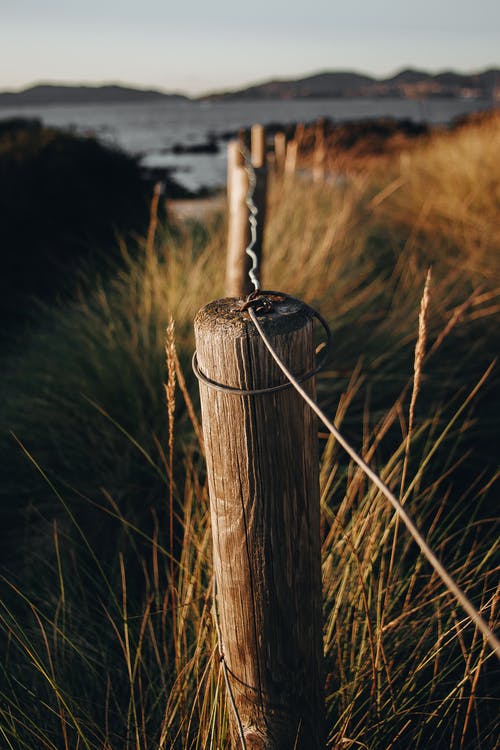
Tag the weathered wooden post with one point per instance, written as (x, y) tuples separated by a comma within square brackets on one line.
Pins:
[(280, 152), (238, 229), (319, 155), (237, 262), (258, 145), (299, 133), (234, 160), (262, 462), (291, 158)]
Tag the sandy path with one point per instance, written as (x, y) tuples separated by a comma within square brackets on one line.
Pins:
[(197, 208)]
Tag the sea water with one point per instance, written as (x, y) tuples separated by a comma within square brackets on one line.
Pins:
[(150, 129)]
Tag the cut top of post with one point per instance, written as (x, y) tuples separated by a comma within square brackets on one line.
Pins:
[(225, 321), (287, 315)]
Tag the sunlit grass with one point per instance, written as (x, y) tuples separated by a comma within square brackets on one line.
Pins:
[(107, 636)]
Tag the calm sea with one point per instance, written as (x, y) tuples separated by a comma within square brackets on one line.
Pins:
[(151, 129)]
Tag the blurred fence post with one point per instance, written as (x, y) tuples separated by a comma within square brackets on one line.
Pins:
[(238, 263), (280, 152), (299, 133), (291, 158), (238, 229), (319, 155), (258, 146), (262, 463)]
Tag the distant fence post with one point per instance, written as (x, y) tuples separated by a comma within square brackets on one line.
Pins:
[(319, 154), (291, 158), (238, 229), (258, 146), (237, 264), (299, 133), (280, 152), (262, 462)]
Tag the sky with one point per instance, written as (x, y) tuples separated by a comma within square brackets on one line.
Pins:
[(196, 47)]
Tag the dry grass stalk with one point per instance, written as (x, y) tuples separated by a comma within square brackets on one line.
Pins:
[(189, 403), (417, 377), (457, 315), (170, 389), (170, 394), (417, 370), (386, 192), (153, 219)]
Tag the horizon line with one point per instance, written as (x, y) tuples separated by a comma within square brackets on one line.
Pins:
[(270, 79)]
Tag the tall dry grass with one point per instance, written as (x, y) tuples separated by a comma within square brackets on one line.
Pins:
[(107, 637)]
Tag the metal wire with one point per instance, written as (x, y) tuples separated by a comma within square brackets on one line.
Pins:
[(480, 623), (252, 219)]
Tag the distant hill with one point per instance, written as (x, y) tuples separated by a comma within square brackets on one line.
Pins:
[(43, 94), (319, 85), (406, 84), (325, 85)]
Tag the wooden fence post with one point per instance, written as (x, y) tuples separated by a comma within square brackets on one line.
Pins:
[(262, 462), (258, 146), (238, 263), (280, 152), (291, 159), (299, 133), (234, 160), (319, 155), (238, 229)]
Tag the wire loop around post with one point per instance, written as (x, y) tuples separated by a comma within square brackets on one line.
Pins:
[(322, 351)]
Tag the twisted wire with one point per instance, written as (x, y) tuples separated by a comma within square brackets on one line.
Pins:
[(252, 219)]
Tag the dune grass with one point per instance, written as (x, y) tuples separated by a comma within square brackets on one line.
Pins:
[(107, 638)]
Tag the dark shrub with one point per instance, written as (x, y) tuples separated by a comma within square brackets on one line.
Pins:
[(63, 199)]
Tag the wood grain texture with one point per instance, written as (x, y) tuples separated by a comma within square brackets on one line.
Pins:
[(262, 463)]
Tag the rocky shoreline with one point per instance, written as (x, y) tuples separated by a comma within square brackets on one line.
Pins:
[(350, 143)]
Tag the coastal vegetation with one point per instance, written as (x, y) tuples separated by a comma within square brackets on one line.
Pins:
[(106, 636), (64, 199)]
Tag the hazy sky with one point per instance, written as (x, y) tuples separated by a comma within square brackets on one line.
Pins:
[(199, 46)]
